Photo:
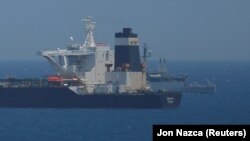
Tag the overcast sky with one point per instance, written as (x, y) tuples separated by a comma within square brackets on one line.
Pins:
[(174, 29)]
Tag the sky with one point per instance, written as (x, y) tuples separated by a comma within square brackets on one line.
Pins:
[(173, 29)]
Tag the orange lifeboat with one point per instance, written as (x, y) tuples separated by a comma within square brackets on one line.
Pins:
[(55, 78)]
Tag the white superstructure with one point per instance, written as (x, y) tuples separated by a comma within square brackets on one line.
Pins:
[(93, 65)]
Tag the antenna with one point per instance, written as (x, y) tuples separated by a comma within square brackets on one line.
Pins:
[(89, 25)]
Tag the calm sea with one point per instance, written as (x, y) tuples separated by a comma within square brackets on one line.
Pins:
[(229, 105)]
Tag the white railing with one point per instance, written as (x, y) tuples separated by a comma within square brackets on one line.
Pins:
[(66, 52)]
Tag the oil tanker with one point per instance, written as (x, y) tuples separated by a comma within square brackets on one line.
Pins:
[(91, 75)]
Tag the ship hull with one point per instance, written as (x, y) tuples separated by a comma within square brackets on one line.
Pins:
[(49, 97)]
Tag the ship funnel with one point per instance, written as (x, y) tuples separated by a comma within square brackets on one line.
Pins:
[(127, 50), (89, 25)]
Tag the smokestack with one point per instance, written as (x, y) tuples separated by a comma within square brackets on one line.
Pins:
[(127, 50)]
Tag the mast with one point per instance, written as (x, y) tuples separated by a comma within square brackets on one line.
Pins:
[(89, 27), (162, 66), (146, 53)]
